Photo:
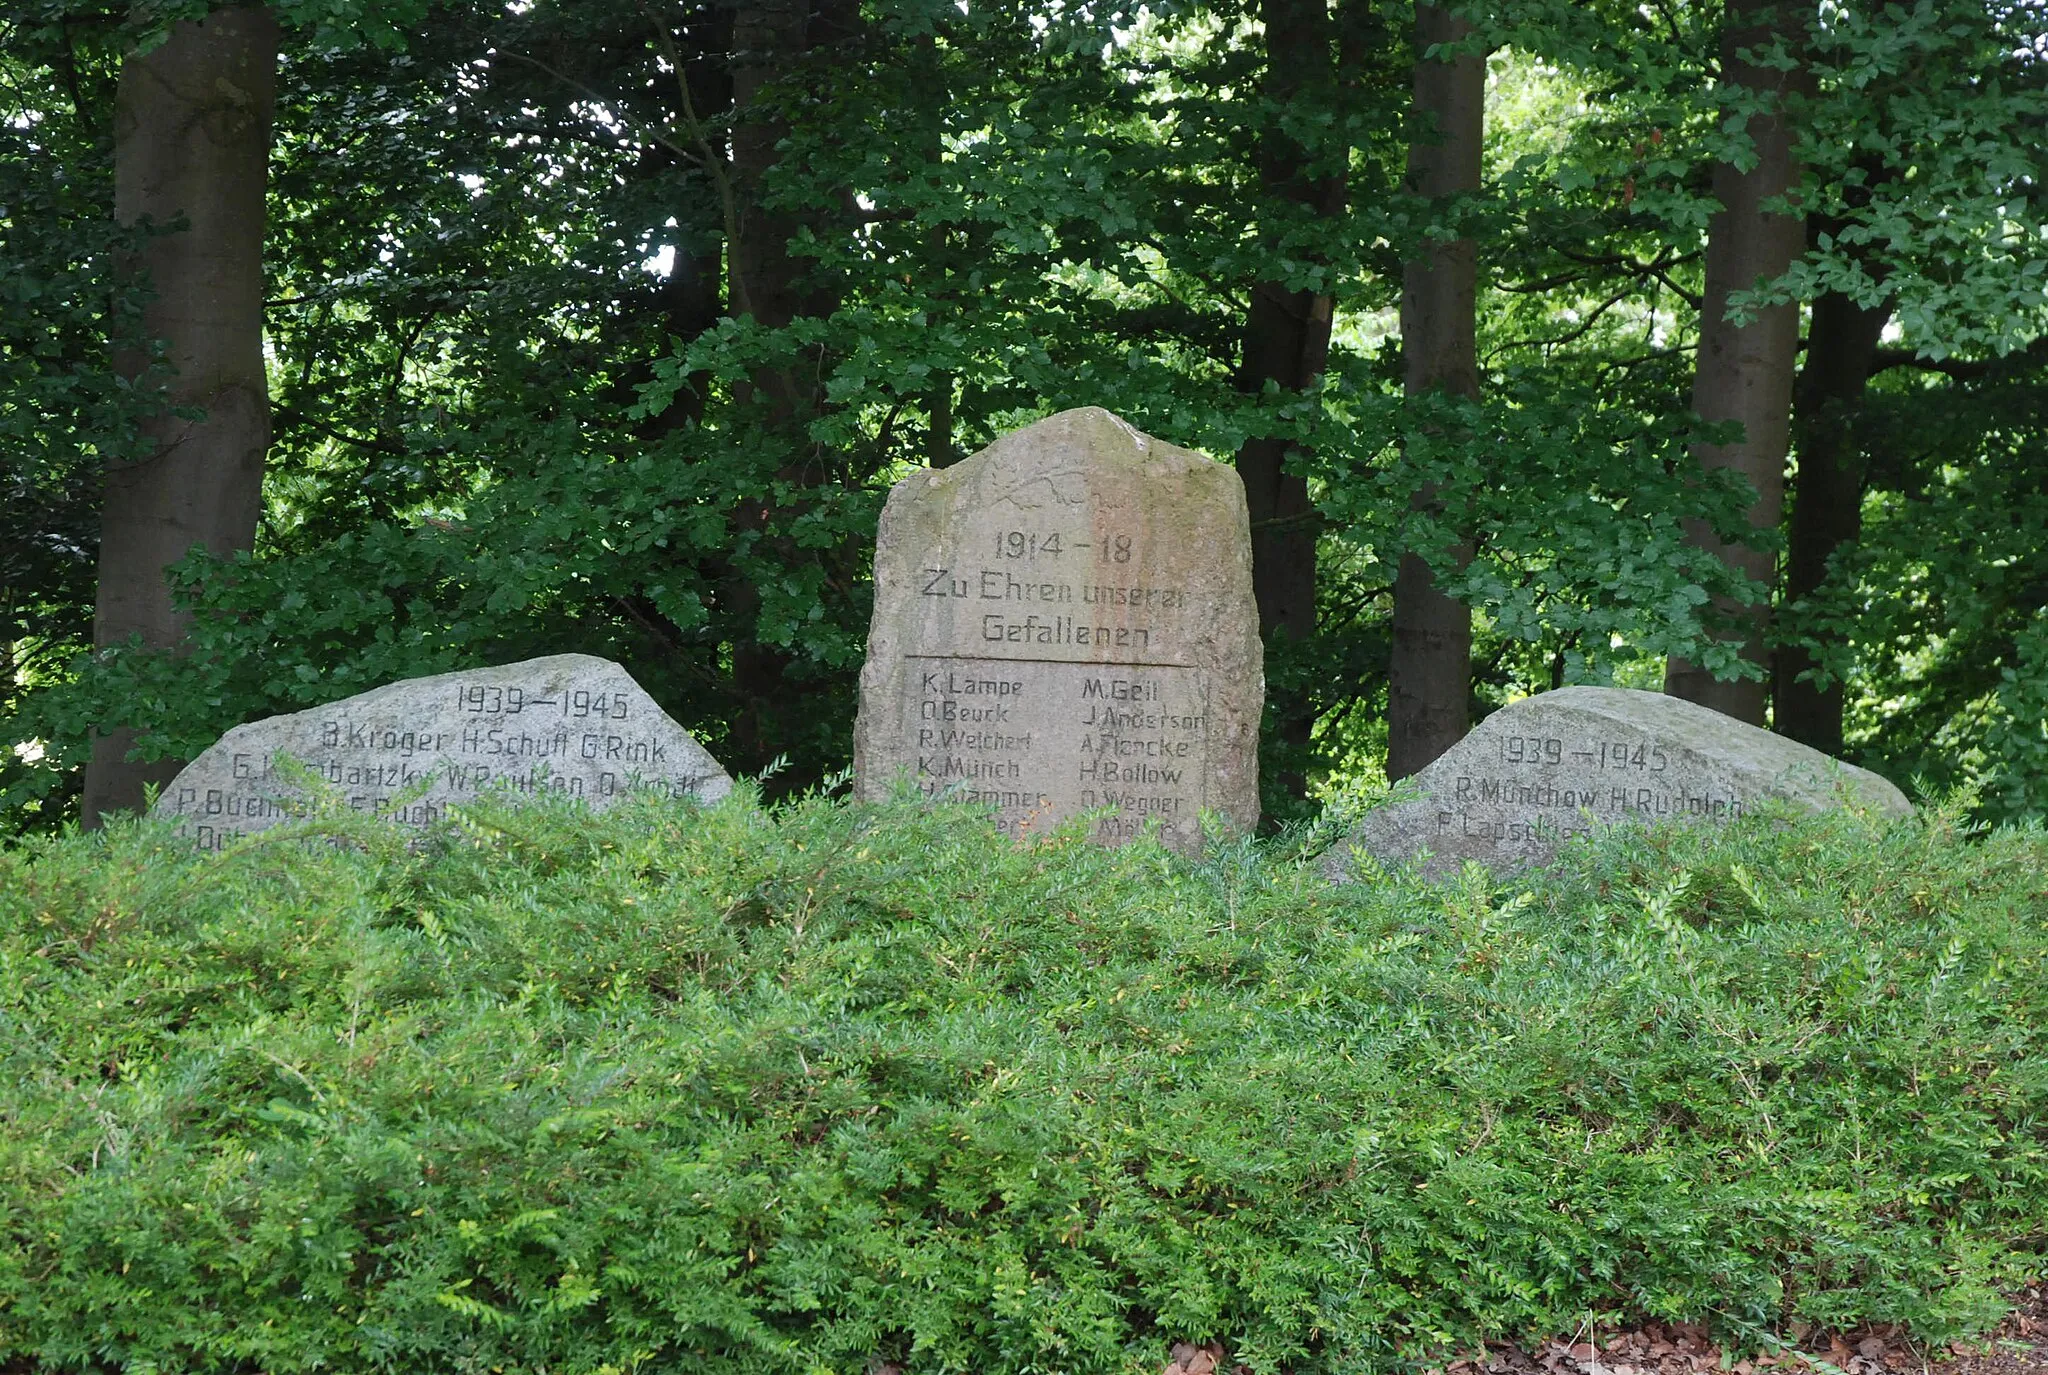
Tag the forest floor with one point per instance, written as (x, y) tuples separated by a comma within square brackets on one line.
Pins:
[(2018, 1347)]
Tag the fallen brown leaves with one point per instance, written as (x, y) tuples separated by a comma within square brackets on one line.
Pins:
[(1190, 1359), (2019, 1347), (1653, 1349)]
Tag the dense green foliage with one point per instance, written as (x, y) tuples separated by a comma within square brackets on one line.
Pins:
[(517, 408), (1958, 650), (62, 411), (789, 1090)]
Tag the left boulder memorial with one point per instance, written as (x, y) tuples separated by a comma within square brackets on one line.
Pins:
[(569, 724)]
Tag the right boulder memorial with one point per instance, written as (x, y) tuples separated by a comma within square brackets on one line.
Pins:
[(1560, 764)]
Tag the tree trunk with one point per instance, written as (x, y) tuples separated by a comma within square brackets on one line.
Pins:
[(1827, 498), (768, 39), (772, 43), (771, 40), (938, 445), (1744, 372), (1429, 675), (191, 138), (1287, 341)]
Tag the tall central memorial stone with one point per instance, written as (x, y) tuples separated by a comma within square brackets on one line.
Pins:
[(1064, 623)]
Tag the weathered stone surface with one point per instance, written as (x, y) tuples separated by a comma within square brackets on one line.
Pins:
[(1064, 622), (1550, 767), (570, 724)]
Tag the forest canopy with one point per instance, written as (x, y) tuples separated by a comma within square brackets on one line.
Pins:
[(1671, 343)]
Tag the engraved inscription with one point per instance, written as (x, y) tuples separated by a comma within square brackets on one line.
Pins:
[(1064, 625), (1549, 788), (1060, 738), (1569, 762), (1039, 739), (1054, 569), (571, 725)]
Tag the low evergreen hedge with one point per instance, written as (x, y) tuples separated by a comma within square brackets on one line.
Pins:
[(802, 1090)]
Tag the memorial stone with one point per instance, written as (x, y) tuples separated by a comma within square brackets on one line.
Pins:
[(1553, 766), (1064, 623), (569, 724)]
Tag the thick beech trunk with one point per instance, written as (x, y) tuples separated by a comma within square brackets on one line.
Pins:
[(192, 139), (775, 44), (1744, 372), (1827, 497), (1429, 676), (692, 297), (769, 38), (1287, 341)]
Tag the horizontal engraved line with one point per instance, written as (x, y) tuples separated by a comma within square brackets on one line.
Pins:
[(1069, 663)]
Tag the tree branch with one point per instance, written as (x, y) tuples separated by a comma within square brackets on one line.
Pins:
[(1962, 369), (1569, 335), (1657, 268), (713, 164), (1642, 359), (293, 416), (611, 103)]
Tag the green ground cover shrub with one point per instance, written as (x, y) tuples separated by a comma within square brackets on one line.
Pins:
[(735, 1090)]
